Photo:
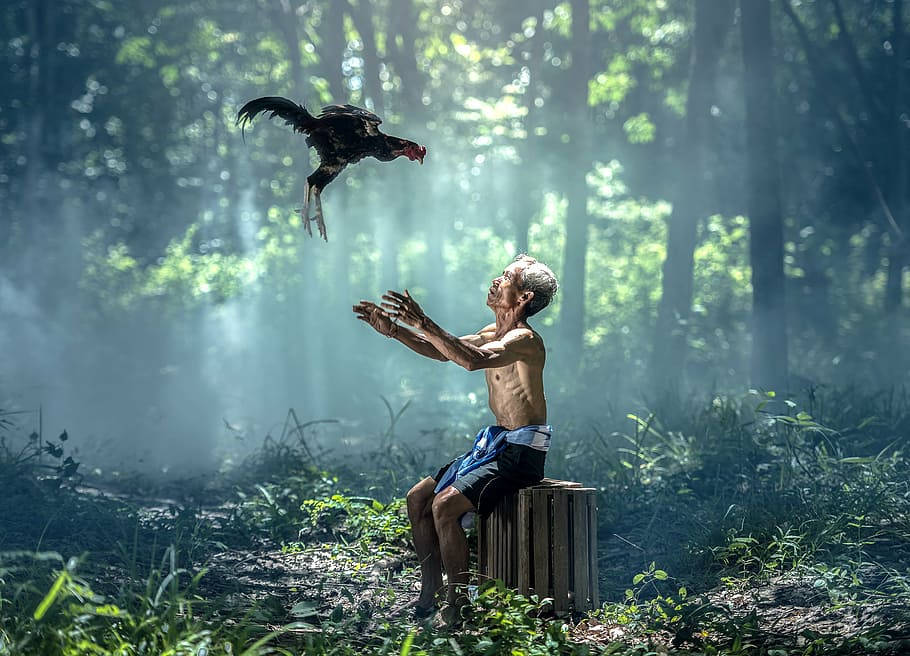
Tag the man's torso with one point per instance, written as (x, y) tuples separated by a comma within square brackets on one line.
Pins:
[(516, 390)]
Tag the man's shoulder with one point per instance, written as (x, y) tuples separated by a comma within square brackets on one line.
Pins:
[(525, 338)]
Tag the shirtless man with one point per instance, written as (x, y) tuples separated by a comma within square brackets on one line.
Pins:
[(505, 457)]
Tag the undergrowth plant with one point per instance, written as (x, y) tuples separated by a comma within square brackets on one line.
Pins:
[(161, 615), (741, 494)]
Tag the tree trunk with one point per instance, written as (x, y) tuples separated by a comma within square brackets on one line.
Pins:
[(711, 22), (284, 19), (572, 317), (766, 235), (527, 197), (305, 358), (897, 256), (404, 19), (36, 122), (362, 15), (333, 45)]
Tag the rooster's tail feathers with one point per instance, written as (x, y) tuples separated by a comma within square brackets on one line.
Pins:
[(292, 113)]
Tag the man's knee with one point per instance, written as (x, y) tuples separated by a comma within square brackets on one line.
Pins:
[(418, 499), (449, 505)]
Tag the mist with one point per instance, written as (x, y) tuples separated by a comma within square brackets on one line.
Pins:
[(160, 300)]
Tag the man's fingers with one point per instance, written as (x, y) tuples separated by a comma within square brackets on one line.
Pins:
[(395, 295)]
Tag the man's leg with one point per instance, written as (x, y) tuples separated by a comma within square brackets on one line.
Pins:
[(448, 507), (426, 543)]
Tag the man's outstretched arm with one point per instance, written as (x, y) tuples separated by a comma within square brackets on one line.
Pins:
[(516, 345), (382, 323)]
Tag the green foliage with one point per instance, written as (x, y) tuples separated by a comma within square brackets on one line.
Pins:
[(359, 518), (639, 129), (277, 508), (175, 211), (160, 617), (769, 497)]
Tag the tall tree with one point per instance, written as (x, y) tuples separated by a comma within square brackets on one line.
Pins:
[(39, 29), (284, 19), (361, 12), (898, 187), (766, 230), (690, 205), (402, 25), (527, 198), (331, 54), (577, 155)]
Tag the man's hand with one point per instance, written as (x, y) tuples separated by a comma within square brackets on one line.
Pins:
[(405, 308), (378, 318)]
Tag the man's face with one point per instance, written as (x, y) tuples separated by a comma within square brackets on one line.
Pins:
[(504, 290)]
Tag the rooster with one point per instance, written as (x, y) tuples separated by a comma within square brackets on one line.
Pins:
[(341, 135)]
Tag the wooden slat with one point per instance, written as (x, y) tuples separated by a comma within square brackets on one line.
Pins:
[(516, 529), (494, 571), (492, 543), (500, 546), (561, 550), (481, 545), (513, 546), (507, 542), (592, 551), (510, 555), (491, 553), (523, 528), (581, 566), (507, 521), (540, 503)]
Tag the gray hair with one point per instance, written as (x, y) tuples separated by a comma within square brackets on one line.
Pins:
[(538, 278)]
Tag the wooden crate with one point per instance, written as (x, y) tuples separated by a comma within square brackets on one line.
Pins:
[(543, 540)]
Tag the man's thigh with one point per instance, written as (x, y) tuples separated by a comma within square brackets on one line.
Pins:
[(517, 467)]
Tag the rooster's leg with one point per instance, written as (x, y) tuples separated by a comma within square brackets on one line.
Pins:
[(305, 211), (320, 223)]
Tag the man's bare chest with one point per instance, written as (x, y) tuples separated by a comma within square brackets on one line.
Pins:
[(503, 380)]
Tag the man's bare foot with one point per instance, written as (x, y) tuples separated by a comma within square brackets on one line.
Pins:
[(448, 618), (416, 608)]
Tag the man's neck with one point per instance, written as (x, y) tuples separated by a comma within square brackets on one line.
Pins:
[(508, 319)]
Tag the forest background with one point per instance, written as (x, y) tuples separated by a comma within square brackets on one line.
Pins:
[(721, 188), (721, 192)]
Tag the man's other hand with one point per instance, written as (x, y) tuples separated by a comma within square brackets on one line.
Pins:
[(378, 318), (403, 307)]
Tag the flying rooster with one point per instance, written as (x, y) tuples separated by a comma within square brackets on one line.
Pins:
[(341, 135)]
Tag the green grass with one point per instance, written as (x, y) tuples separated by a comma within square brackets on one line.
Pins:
[(698, 507)]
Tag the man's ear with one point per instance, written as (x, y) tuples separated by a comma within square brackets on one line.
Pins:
[(525, 298)]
